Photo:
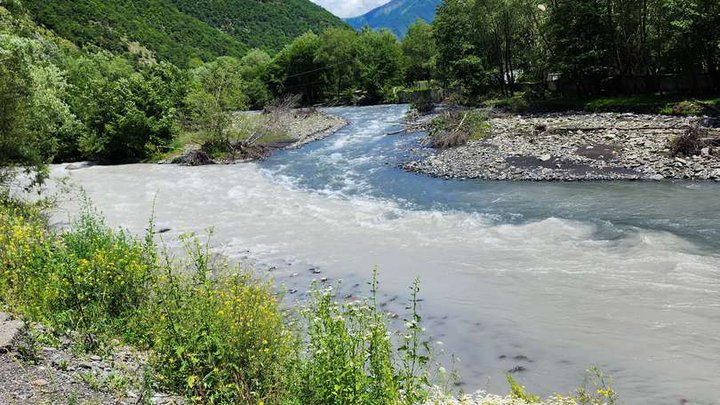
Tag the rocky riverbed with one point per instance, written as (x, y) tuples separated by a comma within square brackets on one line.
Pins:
[(578, 146), (37, 367), (263, 134)]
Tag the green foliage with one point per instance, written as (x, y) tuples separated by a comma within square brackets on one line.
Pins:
[(91, 280), (115, 25), (349, 358), (216, 91), (218, 337), (268, 25), (254, 71), (128, 113), (594, 46), (339, 66), (517, 391), (420, 52), (214, 333), (32, 108), (353, 358)]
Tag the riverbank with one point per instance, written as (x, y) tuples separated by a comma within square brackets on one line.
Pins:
[(580, 146), (255, 136)]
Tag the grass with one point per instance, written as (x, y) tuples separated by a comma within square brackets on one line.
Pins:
[(214, 333)]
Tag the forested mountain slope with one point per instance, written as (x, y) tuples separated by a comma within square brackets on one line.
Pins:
[(397, 15), (181, 30), (269, 25)]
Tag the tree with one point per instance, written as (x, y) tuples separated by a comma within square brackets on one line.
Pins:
[(32, 111), (581, 42), (420, 52), (381, 68), (339, 55), (253, 70), (128, 114), (216, 92), (295, 70)]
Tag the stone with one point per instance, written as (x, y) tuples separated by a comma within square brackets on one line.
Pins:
[(40, 382), (85, 365), (705, 151), (545, 157), (9, 331)]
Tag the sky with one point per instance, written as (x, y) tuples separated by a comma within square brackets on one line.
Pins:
[(349, 8)]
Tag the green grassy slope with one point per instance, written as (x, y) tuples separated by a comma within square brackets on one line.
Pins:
[(266, 24)]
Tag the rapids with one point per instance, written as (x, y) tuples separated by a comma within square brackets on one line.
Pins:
[(620, 275)]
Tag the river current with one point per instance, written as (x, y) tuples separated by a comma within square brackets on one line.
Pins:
[(551, 277)]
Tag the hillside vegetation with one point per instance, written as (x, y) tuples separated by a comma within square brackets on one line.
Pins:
[(180, 31), (268, 25)]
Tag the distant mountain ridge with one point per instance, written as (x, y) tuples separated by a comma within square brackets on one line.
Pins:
[(181, 30), (397, 15)]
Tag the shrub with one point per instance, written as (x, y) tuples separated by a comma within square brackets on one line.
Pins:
[(453, 129), (421, 101), (690, 143), (90, 280), (216, 337), (353, 358)]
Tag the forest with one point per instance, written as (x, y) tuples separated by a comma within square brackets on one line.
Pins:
[(64, 99)]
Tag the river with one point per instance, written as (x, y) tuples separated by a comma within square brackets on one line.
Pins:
[(620, 275)]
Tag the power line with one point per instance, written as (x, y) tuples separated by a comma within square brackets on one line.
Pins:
[(322, 68)]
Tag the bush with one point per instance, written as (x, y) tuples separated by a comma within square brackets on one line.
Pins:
[(90, 280), (457, 128), (216, 337), (421, 101)]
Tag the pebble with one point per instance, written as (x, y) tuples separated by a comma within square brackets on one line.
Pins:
[(607, 146)]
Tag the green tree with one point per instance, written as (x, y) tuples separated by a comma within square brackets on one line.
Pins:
[(32, 111), (381, 68), (339, 56), (216, 92), (128, 114), (420, 52), (254, 70), (295, 69)]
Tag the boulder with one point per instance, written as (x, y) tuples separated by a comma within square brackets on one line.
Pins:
[(9, 331)]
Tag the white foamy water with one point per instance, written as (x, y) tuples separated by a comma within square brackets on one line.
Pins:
[(642, 302)]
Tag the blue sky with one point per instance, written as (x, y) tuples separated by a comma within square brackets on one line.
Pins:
[(350, 8)]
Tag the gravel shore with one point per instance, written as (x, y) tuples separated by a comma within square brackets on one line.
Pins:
[(53, 372), (576, 147)]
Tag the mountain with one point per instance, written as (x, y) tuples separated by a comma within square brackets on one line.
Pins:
[(397, 15), (181, 30), (266, 24)]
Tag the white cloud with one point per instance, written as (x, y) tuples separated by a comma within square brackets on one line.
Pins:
[(350, 8)]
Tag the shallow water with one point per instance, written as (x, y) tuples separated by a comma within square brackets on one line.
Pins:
[(624, 276)]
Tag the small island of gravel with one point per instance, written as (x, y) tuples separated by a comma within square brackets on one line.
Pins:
[(582, 146)]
